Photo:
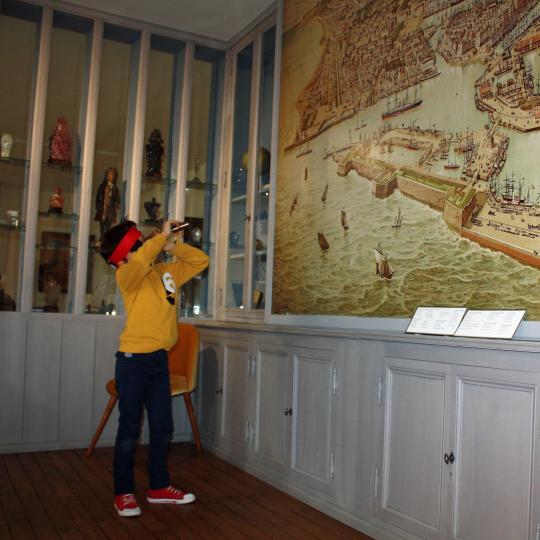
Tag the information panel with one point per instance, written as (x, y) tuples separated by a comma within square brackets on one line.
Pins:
[(496, 323), (436, 321)]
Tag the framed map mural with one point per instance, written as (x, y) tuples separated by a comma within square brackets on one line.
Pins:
[(408, 157)]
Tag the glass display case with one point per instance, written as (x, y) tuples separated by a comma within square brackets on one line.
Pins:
[(59, 195), (261, 198), (118, 57), (202, 182), (162, 119), (249, 195), (238, 212), (19, 29)]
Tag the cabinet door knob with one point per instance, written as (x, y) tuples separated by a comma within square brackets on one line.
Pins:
[(219, 391), (288, 411), (247, 217), (449, 458)]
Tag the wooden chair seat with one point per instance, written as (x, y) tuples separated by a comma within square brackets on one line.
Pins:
[(183, 365)]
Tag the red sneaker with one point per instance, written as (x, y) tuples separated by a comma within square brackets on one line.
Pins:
[(126, 505), (169, 495)]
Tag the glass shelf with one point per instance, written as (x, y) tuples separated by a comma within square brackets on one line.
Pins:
[(203, 186), (238, 199), (15, 161), (63, 167), (58, 215), (9, 227), (56, 246), (157, 180)]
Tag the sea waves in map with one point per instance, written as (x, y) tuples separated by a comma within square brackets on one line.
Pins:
[(432, 264)]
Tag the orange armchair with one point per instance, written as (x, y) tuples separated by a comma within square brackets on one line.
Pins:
[(183, 365)]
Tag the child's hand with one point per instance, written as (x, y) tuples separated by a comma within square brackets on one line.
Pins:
[(166, 229)]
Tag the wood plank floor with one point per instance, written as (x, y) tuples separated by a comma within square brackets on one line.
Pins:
[(53, 495)]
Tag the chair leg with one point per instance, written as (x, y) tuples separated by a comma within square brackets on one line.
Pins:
[(193, 421), (101, 425)]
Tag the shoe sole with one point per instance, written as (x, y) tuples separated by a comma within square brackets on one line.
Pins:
[(129, 512), (189, 498)]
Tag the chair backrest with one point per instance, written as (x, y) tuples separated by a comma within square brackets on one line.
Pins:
[(184, 356)]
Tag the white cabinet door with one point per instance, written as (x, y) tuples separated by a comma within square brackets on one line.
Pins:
[(494, 450), (236, 362), (210, 388), (272, 405), (415, 480), (312, 417)]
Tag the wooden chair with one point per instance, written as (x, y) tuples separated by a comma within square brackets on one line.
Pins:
[(183, 365)]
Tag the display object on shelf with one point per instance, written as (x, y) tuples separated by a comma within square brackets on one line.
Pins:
[(107, 201), (6, 302), (196, 235), (258, 297), (56, 201), (196, 179), (6, 144), (13, 217), (153, 210), (234, 238), (263, 161), (54, 261), (154, 154), (195, 231), (60, 144), (52, 291)]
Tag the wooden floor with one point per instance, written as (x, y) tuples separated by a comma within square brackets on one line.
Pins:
[(52, 495)]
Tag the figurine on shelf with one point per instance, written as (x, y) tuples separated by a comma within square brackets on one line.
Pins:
[(6, 302), (60, 144), (152, 209), (56, 201), (196, 179), (154, 154), (107, 201), (52, 291), (6, 143)]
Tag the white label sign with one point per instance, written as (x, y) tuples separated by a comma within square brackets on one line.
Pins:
[(436, 321), (496, 323)]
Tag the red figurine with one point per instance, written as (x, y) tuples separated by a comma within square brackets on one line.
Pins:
[(60, 144), (56, 201)]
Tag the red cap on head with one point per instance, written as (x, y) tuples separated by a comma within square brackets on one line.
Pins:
[(124, 246)]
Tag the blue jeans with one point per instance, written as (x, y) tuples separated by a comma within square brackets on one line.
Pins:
[(142, 379)]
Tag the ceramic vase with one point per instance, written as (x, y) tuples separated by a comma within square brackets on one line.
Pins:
[(6, 144)]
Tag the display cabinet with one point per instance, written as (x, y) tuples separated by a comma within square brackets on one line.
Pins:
[(201, 188), (59, 191), (248, 195), (19, 27), (162, 122), (108, 194)]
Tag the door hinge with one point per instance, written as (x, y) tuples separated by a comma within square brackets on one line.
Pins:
[(334, 381), (246, 434), (251, 434), (225, 177), (332, 466), (220, 296), (537, 531), (376, 484), (251, 365), (380, 392)]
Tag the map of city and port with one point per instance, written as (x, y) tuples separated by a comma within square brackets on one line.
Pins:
[(409, 157)]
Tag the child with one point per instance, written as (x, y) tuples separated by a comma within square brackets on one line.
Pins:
[(142, 375)]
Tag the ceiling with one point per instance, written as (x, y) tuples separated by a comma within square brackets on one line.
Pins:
[(216, 19)]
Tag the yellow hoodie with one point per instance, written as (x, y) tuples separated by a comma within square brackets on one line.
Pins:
[(150, 294)]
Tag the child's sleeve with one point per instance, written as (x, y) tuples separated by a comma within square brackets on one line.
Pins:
[(189, 262), (129, 276)]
